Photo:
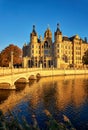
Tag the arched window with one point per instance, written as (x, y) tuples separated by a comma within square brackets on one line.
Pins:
[(46, 44)]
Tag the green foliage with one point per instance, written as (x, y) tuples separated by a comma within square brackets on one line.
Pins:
[(85, 58)]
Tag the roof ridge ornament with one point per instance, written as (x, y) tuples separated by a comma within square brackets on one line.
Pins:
[(58, 25), (33, 27)]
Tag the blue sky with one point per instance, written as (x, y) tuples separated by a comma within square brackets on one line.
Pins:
[(18, 16)]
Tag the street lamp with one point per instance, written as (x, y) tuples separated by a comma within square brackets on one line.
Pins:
[(11, 59)]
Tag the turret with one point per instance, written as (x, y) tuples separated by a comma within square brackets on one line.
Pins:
[(58, 34), (33, 35)]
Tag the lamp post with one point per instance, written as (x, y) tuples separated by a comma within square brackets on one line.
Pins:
[(11, 59)]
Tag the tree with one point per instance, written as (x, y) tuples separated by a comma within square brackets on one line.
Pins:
[(5, 56), (85, 58)]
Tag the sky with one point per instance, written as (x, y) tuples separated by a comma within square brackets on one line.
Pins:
[(17, 18)]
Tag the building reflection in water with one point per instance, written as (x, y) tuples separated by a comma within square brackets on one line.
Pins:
[(57, 94), (55, 91), (4, 94)]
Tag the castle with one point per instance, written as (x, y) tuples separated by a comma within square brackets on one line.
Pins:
[(64, 52)]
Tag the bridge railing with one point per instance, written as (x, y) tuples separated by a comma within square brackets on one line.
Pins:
[(7, 71)]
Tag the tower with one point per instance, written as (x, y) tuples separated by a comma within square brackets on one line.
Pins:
[(58, 34), (33, 36), (47, 48), (57, 46)]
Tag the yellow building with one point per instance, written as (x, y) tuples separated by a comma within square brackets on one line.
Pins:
[(64, 52)]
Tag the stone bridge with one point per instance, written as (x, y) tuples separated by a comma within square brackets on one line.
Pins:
[(11, 76)]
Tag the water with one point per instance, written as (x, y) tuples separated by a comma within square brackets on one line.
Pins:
[(66, 95)]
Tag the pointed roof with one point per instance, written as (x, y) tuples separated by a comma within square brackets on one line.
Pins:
[(34, 31), (65, 38), (74, 37), (58, 29)]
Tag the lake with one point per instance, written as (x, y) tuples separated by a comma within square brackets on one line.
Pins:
[(61, 95)]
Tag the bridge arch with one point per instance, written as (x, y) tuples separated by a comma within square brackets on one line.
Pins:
[(21, 80), (32, 77), (38, 75), (5, 85), (19, 76)]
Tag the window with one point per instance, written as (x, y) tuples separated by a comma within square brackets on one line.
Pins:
[(46, 52), (65, 52), (46, 44), (65, 58), (65, 47), (57, 50), (49, 46), (57, 45)]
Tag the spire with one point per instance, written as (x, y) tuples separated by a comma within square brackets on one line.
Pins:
[(34, 28), (58, 30), (58, 27), (34, 31)]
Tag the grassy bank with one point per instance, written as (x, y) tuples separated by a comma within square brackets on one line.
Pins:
[(12, 123)]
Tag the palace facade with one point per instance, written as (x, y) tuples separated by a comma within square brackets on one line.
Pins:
[(64, 52)]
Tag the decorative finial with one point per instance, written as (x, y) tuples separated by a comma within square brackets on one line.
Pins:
[(58, 25), (33, 27), (34, 31)]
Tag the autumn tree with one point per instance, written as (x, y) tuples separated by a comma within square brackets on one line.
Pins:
[(85, 58), (5, 56)]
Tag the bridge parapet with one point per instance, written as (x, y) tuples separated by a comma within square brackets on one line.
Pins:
[(6, 70), (11, 76)]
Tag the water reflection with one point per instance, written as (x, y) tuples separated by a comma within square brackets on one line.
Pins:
[(60, 95), (61, 91), (63, 95), (4, 94), (70, 91), (20, 87)]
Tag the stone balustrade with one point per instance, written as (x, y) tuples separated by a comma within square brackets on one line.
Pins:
[(10, 76)]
